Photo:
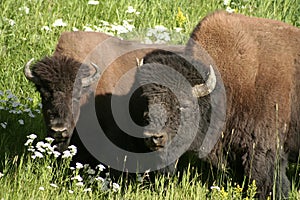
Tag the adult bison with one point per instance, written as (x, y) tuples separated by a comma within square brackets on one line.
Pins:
[(259, 64), (67, 79)]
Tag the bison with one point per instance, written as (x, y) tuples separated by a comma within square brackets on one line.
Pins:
[(259, 64), (67, 79), (256, 60)]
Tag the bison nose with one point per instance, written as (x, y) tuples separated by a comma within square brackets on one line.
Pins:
[(159, 139), (60, 131)]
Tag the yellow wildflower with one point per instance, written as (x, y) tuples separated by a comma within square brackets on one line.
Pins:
[(180, 18)]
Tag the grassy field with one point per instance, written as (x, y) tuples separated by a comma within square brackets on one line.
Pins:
[(31, 28)]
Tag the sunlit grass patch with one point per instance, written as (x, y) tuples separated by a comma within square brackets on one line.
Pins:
[(30, 29)]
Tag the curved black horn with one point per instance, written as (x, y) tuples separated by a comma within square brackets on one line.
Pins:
[(91, 79)]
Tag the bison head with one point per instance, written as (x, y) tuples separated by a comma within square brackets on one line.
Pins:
[(164, 109), (63, 84)]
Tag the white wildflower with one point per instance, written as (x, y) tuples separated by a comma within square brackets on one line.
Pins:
[(226, 2), (99, 179), (178, 29), (104, 23), (87, 190), (1, 175), (21, 121), (27, 110), (49, 140), (71, 191), (37, 154), (28, 142), (93, 2), (91, 171), (75, 29), (11, 22), (163, 36), (130, 10), (15, 104), (79, 184), (147, 40), (87, 28), (215, 187), (40, 146), (128, 26), (18, 111), (79, 165), (116, 187), (41, 188), (56, 154), (46, 28), (25, 9), (31, 115), (67, 154), (49, 167), (53, 185), (78, 178), (31, 149), (37, 111), (72, 168), (73, 150), (3, 124), (59, 22), (230, 10), (119, 29), (101, 167), (32, 136), (160, 28)]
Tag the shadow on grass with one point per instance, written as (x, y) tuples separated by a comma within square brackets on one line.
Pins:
[(14, 129)]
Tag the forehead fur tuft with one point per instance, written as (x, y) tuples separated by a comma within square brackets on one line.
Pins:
[(59, 69)]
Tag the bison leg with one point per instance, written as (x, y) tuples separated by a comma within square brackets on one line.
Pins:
[(269, 172)]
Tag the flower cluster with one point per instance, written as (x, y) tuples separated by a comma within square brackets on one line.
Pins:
[(11, 104), (24, 9), (83, 176), (111, 29), (157, 35), (11, 22), (41, 147), (132, 10), (232, 6), (235, 192)]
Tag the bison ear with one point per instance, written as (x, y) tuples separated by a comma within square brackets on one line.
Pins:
[(28, 73), (87, 81), (204, 89)]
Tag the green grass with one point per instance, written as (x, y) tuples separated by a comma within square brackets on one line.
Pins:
[(25, 39)]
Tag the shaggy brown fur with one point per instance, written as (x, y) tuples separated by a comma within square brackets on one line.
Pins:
[(259, 61), (57, 75)]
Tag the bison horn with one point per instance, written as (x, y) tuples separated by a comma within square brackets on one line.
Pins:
[(139, 62), (28, 72), (91, 79), (204, 89)]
